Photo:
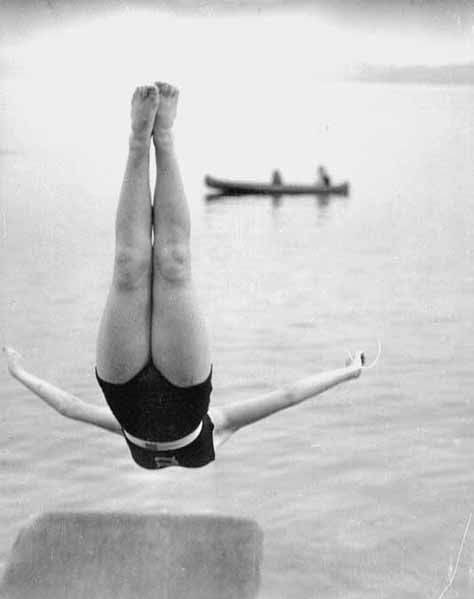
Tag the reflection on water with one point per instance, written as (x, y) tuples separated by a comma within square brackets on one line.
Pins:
[(362, 493)]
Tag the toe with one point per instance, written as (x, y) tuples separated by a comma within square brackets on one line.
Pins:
[(165, 88), (150, 91)]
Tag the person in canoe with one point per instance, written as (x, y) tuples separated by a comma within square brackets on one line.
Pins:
[(277, 179), (153, 360), (323, 177)]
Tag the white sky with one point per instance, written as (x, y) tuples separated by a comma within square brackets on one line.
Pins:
[(270, 45), (263, 60)]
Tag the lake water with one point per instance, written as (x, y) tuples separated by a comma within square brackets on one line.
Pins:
[(367, 490)]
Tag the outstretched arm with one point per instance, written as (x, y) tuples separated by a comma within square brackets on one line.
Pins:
[(65, 403), (229, 419)]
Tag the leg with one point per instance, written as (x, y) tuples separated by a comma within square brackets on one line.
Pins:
[(179, 342), (123, 345)]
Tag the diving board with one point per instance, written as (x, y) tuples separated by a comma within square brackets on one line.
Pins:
[(95, 555)]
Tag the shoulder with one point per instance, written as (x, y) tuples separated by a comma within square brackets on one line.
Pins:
[(222, 429)]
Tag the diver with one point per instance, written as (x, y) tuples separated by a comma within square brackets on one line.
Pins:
[(153, 360)]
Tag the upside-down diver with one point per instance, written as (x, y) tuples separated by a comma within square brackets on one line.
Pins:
[(153, 360)]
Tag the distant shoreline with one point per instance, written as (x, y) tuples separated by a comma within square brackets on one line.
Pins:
[(449, 74)]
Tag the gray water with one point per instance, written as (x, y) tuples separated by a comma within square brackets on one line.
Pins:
[(363, 492)]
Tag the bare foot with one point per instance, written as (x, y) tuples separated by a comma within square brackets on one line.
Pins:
[(14, 359), (145, 102), (166, 112)]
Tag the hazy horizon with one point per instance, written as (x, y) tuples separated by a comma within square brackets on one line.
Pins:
[(405, 32), (317, 39)]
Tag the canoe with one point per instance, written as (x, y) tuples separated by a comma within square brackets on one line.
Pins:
[(247, 188)]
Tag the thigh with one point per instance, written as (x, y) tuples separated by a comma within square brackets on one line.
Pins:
[(179, 339), (123, 344)]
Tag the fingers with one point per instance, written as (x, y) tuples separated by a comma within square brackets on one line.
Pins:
[(359, 358), (11, 353)]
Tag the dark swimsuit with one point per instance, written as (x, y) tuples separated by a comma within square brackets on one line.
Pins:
[(151, 409)]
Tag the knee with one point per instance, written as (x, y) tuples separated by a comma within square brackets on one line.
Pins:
[(173, 261), (132, 268)]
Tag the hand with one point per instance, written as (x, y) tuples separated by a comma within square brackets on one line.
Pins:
[(355, 362), (14, 359)]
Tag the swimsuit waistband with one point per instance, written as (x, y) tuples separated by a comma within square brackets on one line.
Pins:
[(165, 445)]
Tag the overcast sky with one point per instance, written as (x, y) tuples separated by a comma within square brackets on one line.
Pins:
[(63, 49), (450, 19), (271, 38)]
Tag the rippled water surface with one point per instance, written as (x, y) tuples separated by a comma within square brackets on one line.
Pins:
[(364, 492)]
